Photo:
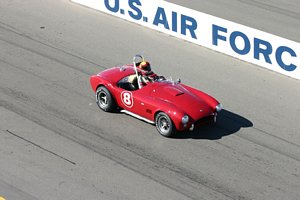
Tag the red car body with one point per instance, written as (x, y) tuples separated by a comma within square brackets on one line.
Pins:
[(173, 99)]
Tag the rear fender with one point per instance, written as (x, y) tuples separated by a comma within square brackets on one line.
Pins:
[(97, 80)]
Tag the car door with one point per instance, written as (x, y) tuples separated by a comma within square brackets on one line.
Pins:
[(136, 102)]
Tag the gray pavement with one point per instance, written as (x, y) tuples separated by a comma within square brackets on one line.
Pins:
[(56, 144)]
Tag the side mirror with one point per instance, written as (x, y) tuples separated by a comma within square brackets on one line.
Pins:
[(178, 81)]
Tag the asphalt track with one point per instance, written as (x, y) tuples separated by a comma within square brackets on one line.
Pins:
[(56, 144)]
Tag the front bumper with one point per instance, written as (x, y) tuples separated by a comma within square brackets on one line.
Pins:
[(211, 119)]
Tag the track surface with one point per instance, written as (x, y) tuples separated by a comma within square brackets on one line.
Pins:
[(56, 144)]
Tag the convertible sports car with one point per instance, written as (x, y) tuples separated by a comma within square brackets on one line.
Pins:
[(170, 105)]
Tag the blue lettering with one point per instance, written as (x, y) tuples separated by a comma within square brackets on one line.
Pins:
[(261, 48), (112, 9), (233, 37), (161, 18), (216, 36), (174, 21), (192, 26), (266, 52), (138, 13), (279, 53)]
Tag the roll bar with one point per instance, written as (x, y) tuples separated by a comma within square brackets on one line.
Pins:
[(135, 68)]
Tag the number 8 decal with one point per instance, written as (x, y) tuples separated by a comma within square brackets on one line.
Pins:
[(127, 99)]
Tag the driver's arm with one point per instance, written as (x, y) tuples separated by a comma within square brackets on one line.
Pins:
[(131, 78)]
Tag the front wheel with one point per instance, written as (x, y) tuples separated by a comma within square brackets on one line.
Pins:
[(164, 125), (105, 100)]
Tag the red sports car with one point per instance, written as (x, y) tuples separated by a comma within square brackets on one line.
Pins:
[(170, 105)]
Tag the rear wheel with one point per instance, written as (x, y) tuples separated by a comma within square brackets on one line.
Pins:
[(105, 100), (164, 125)]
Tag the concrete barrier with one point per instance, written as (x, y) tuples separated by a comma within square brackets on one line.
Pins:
[(245, 43)]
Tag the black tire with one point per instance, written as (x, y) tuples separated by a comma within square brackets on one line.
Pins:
[(164, 125), (105, 100)]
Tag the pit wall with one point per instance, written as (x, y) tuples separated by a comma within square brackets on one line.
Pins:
[(242, 42)]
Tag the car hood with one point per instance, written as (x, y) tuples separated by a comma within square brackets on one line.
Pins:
[(183, 99)]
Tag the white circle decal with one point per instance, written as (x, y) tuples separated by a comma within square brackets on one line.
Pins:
[(127, 99)]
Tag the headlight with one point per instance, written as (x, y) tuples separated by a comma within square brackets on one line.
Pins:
[(219, 107), (185, 119)]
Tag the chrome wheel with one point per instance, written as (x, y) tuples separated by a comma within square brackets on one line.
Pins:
[(164, 124), (104, 99)]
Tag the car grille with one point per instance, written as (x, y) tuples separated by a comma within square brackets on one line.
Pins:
[(205, 120)]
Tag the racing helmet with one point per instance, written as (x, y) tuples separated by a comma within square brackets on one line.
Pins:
[(145, 66)]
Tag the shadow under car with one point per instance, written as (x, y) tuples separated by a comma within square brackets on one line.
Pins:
[(227, 123)]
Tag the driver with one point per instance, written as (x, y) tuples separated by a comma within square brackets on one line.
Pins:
[(147, 75)]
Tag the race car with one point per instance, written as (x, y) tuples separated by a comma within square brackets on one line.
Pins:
[(170, 105)]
